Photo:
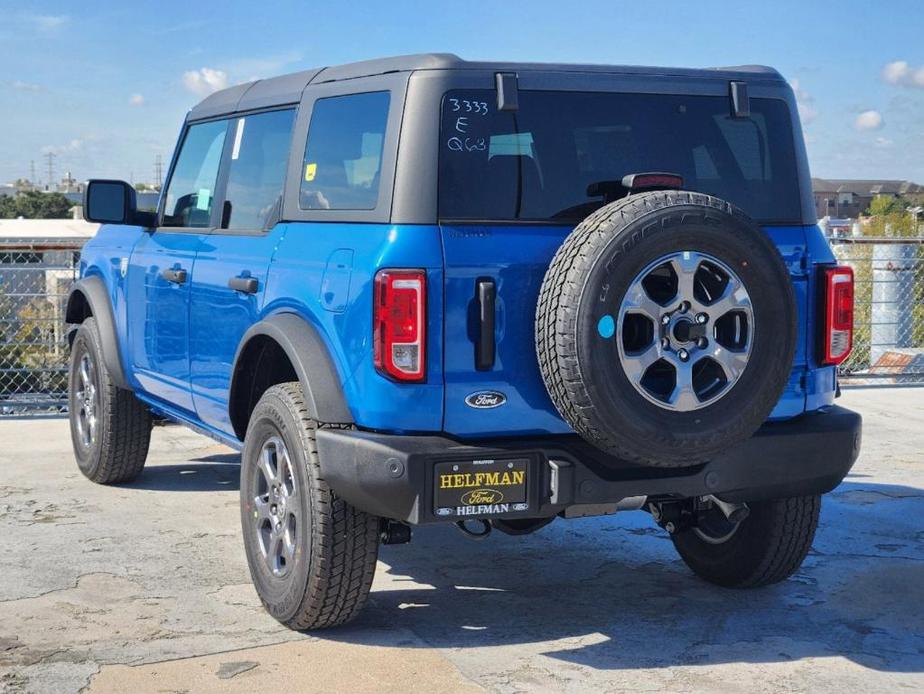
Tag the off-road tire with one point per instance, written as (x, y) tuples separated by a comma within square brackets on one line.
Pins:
[(588, 277), (123, 430), (337, 545), (767, 547)]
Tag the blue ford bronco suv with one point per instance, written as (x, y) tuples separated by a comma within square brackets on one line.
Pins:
[(423, 290)]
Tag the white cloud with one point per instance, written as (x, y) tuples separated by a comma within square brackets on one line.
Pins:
[(895, 72), (205, 80), (259, 67), (48, 22), (900, 73), (883, 142), (804, 101), (21, 86), (74, 145), (868, 120), (136, 100)]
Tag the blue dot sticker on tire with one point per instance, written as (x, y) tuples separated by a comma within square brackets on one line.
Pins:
[(606, 326)]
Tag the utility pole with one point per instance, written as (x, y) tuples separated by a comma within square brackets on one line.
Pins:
[(158, 170), (32, 172), (50, 156)]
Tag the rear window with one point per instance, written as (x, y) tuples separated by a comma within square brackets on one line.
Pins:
[(562, 154)]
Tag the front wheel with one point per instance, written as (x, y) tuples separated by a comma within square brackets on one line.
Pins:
[(766, 547), (110, 427), (311, 555)]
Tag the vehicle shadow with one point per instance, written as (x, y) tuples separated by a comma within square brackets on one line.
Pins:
[(611, 593), (219, 472)]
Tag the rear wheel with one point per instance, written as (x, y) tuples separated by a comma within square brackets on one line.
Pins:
[(311, 555), (766, 547), (110, 427)]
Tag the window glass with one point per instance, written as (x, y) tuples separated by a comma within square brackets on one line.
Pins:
[(257, 168), (343, 157), (538, 163), (192, 185)]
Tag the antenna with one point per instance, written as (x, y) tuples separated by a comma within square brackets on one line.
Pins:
[(50, 156)]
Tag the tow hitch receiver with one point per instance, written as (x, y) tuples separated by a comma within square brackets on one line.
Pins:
[(677, 515)]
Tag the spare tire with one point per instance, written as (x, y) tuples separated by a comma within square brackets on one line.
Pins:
[(666, 328)]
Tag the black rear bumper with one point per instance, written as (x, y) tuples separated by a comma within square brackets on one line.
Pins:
[(392, 475)]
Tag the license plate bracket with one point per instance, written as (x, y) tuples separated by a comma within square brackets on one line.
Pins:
[(489, 487)]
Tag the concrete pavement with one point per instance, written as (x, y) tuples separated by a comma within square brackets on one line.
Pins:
[(144, 587)]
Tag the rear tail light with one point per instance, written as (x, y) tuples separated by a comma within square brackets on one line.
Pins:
[(837, 340), (399, 320)]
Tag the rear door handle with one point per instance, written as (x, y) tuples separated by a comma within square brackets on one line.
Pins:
[(175, 275), (485, 295), (244, 284)]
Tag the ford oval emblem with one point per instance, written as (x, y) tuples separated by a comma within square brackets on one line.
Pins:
[(485, 399)]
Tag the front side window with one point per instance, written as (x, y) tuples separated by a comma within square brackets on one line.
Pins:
[(257, 168), (192, 185), (563, 154), (343, 156)]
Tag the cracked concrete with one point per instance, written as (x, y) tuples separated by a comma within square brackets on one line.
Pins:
[(144, 587)]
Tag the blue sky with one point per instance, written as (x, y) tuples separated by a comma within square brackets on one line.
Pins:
[(105, 85)]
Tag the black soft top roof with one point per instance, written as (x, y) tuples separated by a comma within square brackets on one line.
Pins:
[(287, 89)]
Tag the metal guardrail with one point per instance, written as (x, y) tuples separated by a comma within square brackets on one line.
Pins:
[(889, 310), (35, 277)]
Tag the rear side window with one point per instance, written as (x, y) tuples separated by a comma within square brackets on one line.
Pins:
[(191, 189), (257, 168), (562, 155), (343, 156)]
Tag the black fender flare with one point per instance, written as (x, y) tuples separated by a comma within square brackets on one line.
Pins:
[(311, 360), (91, 292)]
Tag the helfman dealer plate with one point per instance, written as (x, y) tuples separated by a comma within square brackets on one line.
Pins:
[(480, 487)]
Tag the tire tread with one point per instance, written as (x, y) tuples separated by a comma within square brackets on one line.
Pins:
[(768, 549), (557, 339), (125, 422), (345, 540)]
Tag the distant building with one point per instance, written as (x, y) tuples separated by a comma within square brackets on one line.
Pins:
[(69, 184), (849, 198)]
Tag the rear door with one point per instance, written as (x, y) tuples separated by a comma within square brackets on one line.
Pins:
[(162, 266), (513, 184), (231, 270)]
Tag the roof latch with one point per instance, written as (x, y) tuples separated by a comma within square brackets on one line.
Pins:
[(738, 100), (507, 91)]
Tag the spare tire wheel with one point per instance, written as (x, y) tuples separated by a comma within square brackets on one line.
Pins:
[(666, 328)]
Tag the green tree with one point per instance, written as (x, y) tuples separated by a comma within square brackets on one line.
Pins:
[(35, 205), (885, 205)]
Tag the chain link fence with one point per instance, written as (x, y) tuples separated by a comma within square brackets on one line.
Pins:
[(34, 281), (35, 278), (888, 346)]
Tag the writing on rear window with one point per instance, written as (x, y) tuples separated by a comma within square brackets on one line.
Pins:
[(563, 155)]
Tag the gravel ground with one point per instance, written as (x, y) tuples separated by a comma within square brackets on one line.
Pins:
[(144, 587)]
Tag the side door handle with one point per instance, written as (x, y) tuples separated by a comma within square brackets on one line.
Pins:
[(485, 348), (244, 284), (175, 275)]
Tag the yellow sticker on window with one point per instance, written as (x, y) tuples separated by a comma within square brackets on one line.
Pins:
[(310, 171)]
